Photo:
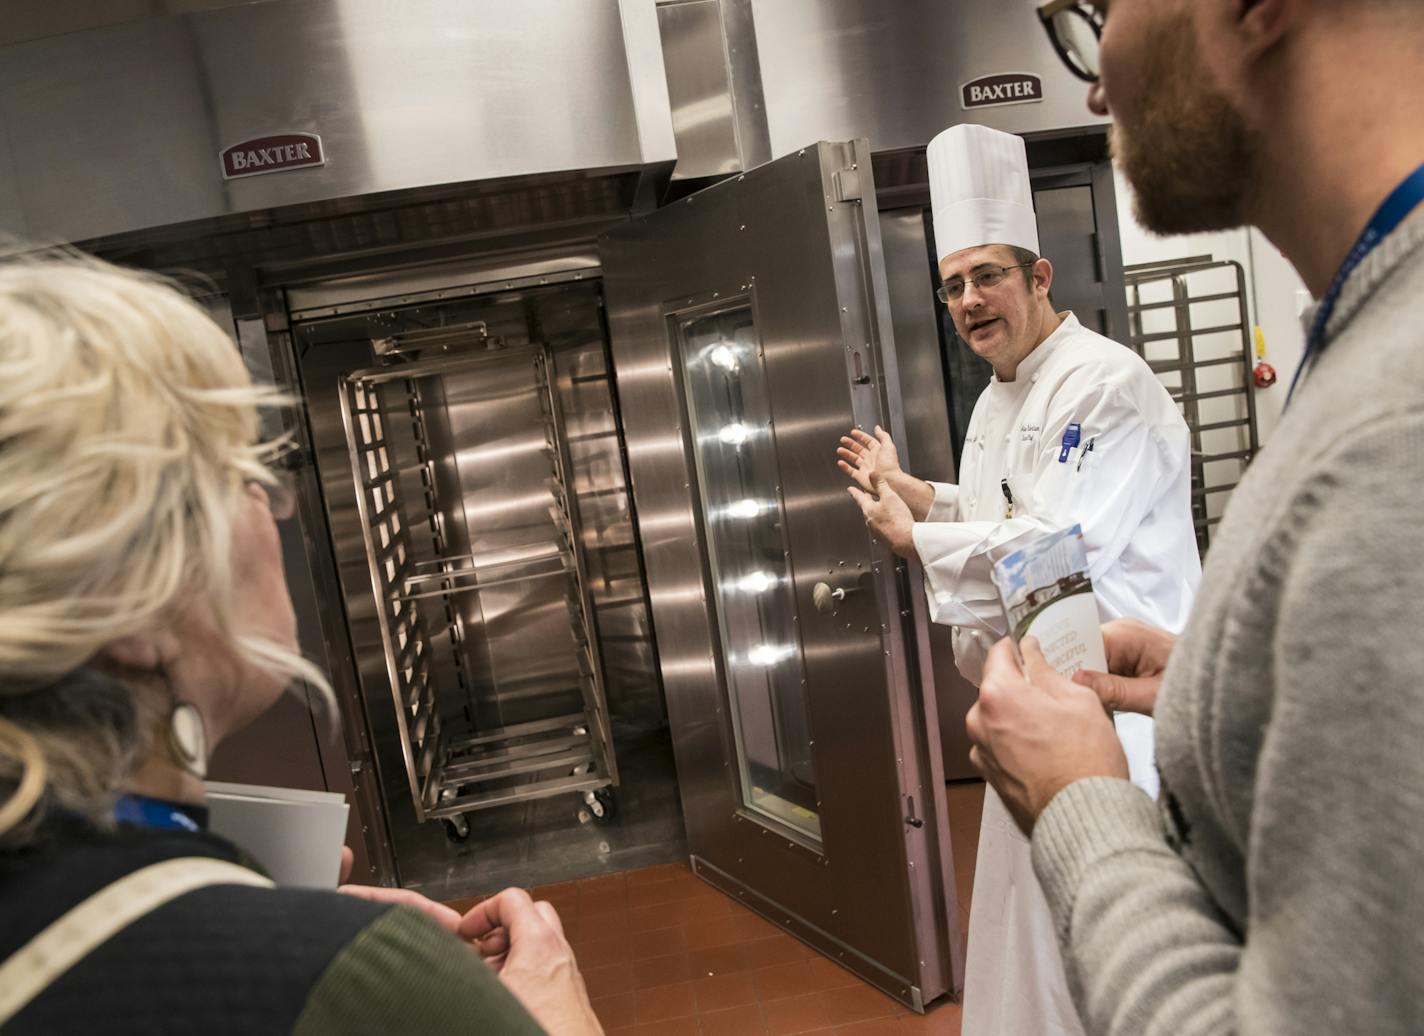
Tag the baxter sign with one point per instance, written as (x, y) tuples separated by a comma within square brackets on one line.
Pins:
[(1006, 88), (273, 154)]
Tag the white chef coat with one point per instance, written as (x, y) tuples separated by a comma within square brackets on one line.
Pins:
[(1131, 493)]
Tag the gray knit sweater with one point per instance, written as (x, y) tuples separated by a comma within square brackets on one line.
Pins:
[(1279, 886)]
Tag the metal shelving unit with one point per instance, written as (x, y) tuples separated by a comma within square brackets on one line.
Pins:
[(441, 680), (1189, 321)]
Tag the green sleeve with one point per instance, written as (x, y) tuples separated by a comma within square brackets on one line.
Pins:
[(403, 973)]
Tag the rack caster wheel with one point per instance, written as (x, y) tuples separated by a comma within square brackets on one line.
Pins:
[(457, 829), (603, 804)]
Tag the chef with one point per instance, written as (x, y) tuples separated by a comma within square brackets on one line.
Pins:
[(1073, 428)]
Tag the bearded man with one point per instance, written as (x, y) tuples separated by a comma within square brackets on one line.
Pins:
[(1276, 887)]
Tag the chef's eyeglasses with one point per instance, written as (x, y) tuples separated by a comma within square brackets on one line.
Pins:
[(283, 461), (1075, 28), (985, 279)]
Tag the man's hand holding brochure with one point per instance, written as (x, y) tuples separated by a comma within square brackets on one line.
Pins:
[(1035, 730)]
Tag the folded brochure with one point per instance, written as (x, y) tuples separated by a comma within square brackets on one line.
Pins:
[(1047, 594), (295, 834)]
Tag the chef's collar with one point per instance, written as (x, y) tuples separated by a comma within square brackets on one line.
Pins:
[(1035, 360)]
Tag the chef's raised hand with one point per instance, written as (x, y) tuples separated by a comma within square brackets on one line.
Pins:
[(1035, 732), (887, 516), (1137, 657), (863, 457)]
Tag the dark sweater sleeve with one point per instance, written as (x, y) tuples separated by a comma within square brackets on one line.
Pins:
[(404, 973), (1334, 940)]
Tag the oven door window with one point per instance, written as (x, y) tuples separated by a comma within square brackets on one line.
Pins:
[(733, 441)]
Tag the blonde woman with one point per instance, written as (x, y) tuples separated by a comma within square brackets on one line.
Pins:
[(144, 616)]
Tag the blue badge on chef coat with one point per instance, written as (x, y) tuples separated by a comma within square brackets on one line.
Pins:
[(1071, 438)]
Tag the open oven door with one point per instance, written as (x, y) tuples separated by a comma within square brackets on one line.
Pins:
[(750, 329)]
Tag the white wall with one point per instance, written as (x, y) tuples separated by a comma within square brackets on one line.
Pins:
[(1275, 294)]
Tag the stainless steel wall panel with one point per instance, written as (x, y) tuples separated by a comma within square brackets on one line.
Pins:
[(892, 72), (120, 127)]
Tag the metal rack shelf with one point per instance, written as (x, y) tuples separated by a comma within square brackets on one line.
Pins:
[(1182, 307), (454, 763)]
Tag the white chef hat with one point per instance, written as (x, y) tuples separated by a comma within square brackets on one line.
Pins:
[(979, 190)]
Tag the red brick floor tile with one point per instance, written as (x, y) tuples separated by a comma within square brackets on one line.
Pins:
[(561, 892), (604, 885), (671, 1027), (658, 893), (797, 1015), (736, 1021), (602, 906), (597, 953), (943, 1020), (656, 915), (654, 875), (724, 960), (601, 926), (710, 906), (660, 943), (778, 949), (872, 1027), (665, 1002), (857, 1003), (826, 974), (723, 991), (730, 928), (664, 953), (782, 981), (609, 980), (615, 1011), (661, 971)]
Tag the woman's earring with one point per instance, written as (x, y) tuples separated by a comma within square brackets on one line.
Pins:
[(188, 738)]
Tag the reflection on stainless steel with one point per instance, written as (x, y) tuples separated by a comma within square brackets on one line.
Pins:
[(733, 550), (699, 88), (892, 72), (384, 86)]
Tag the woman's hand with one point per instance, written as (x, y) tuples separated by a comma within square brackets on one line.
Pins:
[(523, 941), (1137, 657)]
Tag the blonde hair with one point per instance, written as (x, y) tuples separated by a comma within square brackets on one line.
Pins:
[(128, 431)]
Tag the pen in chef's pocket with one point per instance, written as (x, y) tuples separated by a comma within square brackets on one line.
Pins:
[(1082, 455)]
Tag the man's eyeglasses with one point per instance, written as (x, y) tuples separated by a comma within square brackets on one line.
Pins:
[(992, 277), (1075, 28)]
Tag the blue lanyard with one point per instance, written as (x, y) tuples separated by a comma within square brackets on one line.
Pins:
[(142, 811), (1395, 210)]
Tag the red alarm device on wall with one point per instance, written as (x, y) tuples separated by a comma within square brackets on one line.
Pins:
[(1263, 374)]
